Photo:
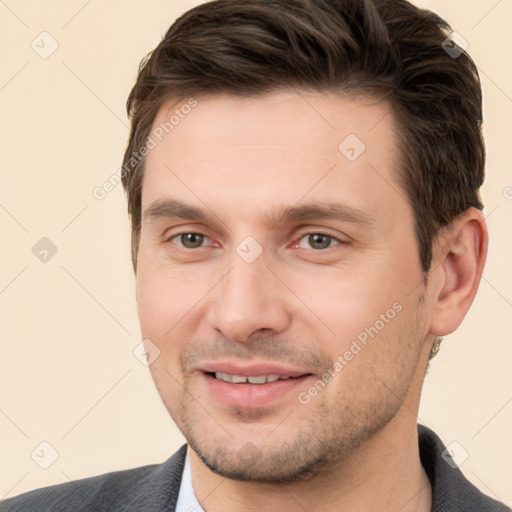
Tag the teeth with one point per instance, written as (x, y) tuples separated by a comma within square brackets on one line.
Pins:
[(257, 379)]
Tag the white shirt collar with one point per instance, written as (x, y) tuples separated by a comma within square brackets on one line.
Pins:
[(187, 501)]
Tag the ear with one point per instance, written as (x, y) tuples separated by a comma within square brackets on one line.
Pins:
[(460, 260)]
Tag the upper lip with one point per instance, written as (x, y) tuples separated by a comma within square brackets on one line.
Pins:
[(252, 369)]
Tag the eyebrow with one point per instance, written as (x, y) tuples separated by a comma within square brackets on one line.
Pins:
[(173, 208), (168, 208), (334, 211)]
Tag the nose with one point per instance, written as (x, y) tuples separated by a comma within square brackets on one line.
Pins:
[(249, 300)]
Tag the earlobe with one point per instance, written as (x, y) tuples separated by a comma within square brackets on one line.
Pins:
[(460, 259)]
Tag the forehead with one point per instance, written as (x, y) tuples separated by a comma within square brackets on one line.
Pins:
[(254, 152), (290, 116)]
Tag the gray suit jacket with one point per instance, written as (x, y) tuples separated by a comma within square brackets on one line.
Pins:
[(155, 488)]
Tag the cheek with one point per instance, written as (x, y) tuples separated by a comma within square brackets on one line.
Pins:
[(171, 305), (160, 310), (343, 303), (160, 304), (378, 361), (164, 293), (151, 297), (364, 313)]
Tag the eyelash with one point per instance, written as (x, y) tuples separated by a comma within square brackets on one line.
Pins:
[(295, 244)]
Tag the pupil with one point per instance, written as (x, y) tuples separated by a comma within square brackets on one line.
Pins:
[(319, 241)]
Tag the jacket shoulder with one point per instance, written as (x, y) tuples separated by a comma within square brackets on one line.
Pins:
[(127, 490), (452, 491)]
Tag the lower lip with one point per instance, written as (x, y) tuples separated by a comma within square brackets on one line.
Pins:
[(252, 396)]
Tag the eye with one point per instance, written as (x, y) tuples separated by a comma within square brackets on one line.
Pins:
[(317, 241), (189, 240)]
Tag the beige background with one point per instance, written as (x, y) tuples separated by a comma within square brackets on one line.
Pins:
[(69, 326)]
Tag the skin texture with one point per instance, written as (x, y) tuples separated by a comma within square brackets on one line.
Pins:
[(299, 304)]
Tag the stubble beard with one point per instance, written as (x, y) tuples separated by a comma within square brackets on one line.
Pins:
[(325, 440)]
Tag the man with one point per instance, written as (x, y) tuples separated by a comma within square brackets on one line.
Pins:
[(302, 180)]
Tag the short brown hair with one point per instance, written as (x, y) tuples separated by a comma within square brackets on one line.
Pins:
[(388, 48)]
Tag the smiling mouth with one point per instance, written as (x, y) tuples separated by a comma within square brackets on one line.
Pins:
[(253, 379)]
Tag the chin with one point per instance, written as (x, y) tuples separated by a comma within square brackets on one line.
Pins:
[(266, 469), (298, 458)]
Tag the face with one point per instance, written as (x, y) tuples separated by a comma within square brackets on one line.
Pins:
[(279, 277)]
